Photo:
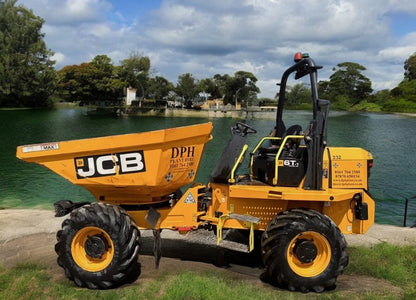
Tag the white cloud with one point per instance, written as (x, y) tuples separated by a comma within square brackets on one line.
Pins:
[(395, 54), (209, 37), (58, 12), (58, 57)]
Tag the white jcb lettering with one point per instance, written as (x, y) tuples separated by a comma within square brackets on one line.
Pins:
[(131, 162), (91, 169), (110, 164), (106, 165)]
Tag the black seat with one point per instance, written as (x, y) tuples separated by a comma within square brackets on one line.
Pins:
[(275, 144), (290, 174), (293, 130)]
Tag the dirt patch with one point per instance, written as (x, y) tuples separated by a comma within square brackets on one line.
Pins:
[(39, 249), (355, 285), (28, 236)]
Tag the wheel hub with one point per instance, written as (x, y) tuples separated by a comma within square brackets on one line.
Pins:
[(96, 246), (305, 251)]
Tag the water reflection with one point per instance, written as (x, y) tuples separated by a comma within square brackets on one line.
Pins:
[(391, 139)]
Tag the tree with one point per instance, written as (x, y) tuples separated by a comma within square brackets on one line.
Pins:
[(27, 75), (187, 88), (298, 94), (403, 97), (73, 83), (380, 97), (93, 81), (209, 86), (241, 87), (410, 68), (134, 70), (323, 89), (247, 83), (159, 88), (105, 84), (347, 81), (221, 84), (405, 90)]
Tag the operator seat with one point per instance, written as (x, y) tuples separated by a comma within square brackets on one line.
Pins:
[(292, 130), (292, 145), (293, 157)]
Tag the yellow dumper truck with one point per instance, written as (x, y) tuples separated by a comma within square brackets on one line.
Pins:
[(299, 196)]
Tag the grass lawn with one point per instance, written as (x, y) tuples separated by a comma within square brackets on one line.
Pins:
[(393, 264)]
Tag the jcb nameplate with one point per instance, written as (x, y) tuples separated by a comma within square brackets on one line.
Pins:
[(109, 164)]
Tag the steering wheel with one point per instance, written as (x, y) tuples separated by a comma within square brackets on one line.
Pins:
[(245, 129)]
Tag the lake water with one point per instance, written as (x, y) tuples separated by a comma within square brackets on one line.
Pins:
[(390, 138)]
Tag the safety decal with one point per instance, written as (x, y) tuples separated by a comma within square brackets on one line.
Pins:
[(189, 199)]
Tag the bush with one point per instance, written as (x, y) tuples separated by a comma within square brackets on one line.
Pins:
[(340, 103), (302, 106), (400, 105), (366, 106)]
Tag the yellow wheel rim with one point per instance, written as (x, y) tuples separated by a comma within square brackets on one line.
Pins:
[(318, 254), (92, 249)]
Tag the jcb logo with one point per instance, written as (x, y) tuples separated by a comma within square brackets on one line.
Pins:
[(109, 164)]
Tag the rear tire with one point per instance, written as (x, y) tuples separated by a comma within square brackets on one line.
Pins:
[(98, 247), (303, 250)]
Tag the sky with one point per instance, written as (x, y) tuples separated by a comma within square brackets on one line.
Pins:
[(205, 38)]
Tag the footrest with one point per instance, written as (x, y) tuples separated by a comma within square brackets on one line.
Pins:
[(244, 218)]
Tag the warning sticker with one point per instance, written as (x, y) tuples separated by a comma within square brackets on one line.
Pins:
[(189, 199)]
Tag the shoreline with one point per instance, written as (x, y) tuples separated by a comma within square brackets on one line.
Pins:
[(251, 113), (19, 223)]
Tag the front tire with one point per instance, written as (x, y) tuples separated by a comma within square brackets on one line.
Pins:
[(303, 250), (98, 246)]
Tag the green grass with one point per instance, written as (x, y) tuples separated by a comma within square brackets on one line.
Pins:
[(393, 263), (396, 265), (32, 282)]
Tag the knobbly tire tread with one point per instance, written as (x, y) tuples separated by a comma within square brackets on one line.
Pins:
[(124, 268), (278, 235)]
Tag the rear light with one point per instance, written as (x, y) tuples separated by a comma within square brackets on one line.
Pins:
[(369, 166)]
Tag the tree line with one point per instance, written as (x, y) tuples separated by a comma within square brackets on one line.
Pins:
[(100, 79), (349, 89), (28, 78)]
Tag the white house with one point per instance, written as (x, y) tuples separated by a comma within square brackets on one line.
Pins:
[(130, 95)]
